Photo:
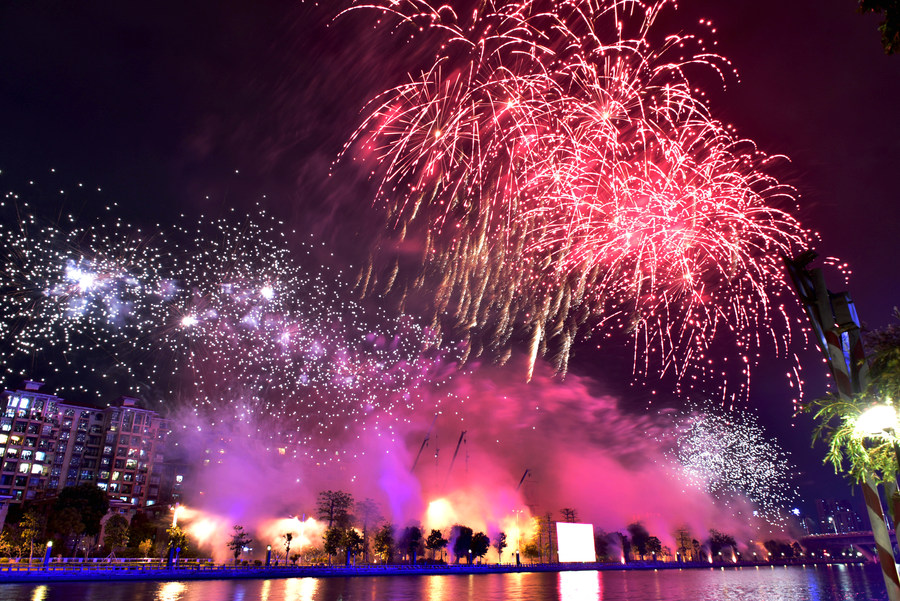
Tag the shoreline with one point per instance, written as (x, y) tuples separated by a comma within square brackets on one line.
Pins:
[(113, 573)]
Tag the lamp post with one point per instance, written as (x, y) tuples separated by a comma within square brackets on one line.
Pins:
[(47, 554), (268, 555), (836, 330)]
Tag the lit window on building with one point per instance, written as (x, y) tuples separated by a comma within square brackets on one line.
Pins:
[(24, 468)]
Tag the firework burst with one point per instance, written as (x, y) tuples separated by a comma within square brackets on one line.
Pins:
[(68, 290), (562, 172), (727, 454), (223, 317)]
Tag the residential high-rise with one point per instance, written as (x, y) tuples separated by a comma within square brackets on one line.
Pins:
[(47, 444), (837, 517)]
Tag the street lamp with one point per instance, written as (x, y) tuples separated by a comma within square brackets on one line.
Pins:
[(876, 420), (881, 420), (47, 553)]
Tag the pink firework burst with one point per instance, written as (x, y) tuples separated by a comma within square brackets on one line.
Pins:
[(564, 172)]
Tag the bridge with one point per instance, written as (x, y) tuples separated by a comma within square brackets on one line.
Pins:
[(835, 543)]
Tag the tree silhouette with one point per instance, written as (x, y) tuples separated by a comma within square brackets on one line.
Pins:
[(435, 542), (461, 538), (639, 538), (239, 540), (411, 541), (115, 532), (500, 544), (352, 542), (481, 544), (367, 515), (383, 545), (30, 529), (334, 507)]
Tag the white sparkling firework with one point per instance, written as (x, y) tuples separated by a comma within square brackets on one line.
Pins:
[(67, 290), (726, 453), (223, 316)]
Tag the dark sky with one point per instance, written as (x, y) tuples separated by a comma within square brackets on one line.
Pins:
[(161, 103)]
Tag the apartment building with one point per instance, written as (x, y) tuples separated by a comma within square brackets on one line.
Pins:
[(47, 444)]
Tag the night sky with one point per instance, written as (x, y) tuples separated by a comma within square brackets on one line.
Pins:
[(198, 107)]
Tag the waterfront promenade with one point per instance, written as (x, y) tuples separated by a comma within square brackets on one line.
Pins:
[(137, 571)]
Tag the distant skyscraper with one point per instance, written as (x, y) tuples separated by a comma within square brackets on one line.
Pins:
[(838, 516)]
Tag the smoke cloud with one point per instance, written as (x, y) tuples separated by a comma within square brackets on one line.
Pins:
[(581, 448)]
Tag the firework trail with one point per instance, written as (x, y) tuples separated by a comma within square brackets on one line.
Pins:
[(561, 172), (728, 455), (222, 316)]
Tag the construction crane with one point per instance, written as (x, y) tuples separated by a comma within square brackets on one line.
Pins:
[(424, 444), (462, 439)]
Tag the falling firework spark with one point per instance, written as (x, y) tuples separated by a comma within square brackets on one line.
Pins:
[(563, 173)]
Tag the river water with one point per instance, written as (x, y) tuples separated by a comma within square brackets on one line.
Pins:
[(795, 583)]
